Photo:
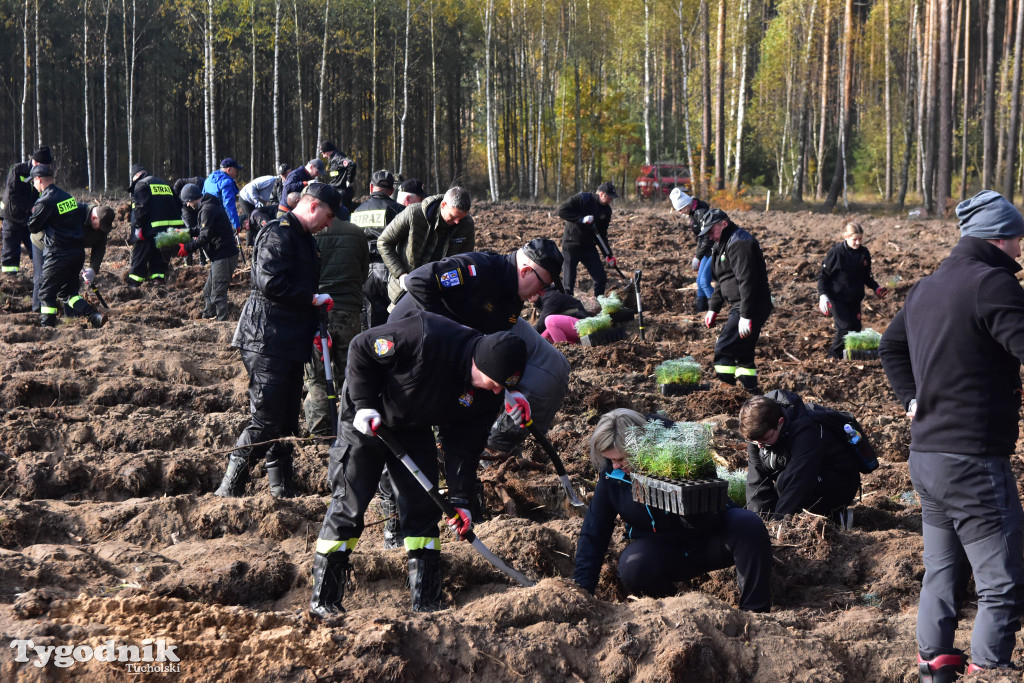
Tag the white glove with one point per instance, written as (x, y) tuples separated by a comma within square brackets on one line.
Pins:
[(745, 325), (88, 274), (709, 318), (587, 220), (366, 421), (823, 304), (912, 408), (321, 299), (401, 282), (695, 264), (517, 407)]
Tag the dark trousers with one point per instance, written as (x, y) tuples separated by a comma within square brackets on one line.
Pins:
[(969, 504), (651, 565), (61, 270), (846, 315), (15, 236), (591, 260), (215, 291), (37, 275), (734, 355), (375, 296), (275, 396), (147, 262)]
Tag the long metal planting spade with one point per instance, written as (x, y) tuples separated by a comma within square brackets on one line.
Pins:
[(639, 306), (397, 457), (552, 454)]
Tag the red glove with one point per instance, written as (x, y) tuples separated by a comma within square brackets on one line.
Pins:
[(612, 261), (182, 251), (517, 407), (319, 344), (461, 522), (322, 300), (881, 292), (709, 318), (138, 234)]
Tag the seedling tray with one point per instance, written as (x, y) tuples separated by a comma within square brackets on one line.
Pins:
[(871, 354), (680, 389), (681, 497), (602, 337)]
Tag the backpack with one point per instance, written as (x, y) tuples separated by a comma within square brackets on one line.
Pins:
[(840, 423)]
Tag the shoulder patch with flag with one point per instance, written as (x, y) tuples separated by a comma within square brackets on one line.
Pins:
[(451, 278), (384, 346), (466, 400)]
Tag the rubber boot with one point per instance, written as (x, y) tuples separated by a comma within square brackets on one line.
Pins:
[(941, 669), (279, 476), (425, 581), (749, 382), (97, 320), (701, 305), (48, 320), (330, 574), (235, 478)]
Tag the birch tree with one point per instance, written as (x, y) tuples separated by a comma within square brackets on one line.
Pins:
[(1014, 124), (492, 143), (85, 93), (106, 96), (405, 89), (323, 70), (298, 78), (277, 96)]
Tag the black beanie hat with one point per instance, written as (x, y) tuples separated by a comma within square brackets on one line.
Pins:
[(43, 155), (502, 357)]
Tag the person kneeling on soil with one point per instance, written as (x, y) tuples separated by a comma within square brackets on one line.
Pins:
[(558, 315), (794, 463), (665, 548), (410, 375)]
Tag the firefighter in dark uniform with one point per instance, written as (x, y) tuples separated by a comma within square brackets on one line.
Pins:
[(742, 276), (481, 290), (57, 214), (275, 335), (341, 173), (154, 209), (372, 216), (586, 217), (410, 375), (15, 207)]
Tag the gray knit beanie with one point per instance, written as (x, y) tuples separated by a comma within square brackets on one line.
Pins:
[(989, 216)]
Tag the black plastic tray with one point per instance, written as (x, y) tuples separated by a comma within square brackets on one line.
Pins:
[(860, 355), (680, 389), (602, 337), (681, 497)]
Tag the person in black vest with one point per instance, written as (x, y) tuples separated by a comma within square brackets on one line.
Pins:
[(793, 463), (57, 214), (275, 336), (373, 216), (15, 208), (739, 269), (664, 548), (154, 210), (217, 240), (586, 217)]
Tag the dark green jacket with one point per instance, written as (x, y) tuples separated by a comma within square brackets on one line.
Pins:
[(344, 263)]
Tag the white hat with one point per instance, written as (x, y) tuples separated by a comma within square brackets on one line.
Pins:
[(680, 200)]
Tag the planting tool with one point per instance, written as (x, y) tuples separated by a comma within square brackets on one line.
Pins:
[(396, 457), (552, 454), (332, 393), (639, 307), (99, 297)]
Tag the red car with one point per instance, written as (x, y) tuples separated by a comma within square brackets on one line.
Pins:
[(658, 179)]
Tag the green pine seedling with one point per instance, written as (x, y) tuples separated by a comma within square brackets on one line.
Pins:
[(737, 484), (866, 340), (685, 371), (588, 326), (170, 237), (682, 451), (610, 304)]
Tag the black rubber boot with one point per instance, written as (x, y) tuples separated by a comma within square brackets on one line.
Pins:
[(749, 382), (941, 669), (425, 581), (97, 320), (330, 574), (701, 305), (279, 476), (48, 320), (235, 478)]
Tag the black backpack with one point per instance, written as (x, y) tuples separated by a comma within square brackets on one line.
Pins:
[(841, 423)]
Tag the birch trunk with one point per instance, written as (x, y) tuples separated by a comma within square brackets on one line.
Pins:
[(967, 89), (492, 162), (988, 152), (705, 88), (323, 70), (298, 83), (85, 93), (277, 99), (823, 126), (106, 99), (741, 107), (433, 105), (252, 101), (1014, 123), (647, 82), (720, 152), (129, 77), (909, 108), (944, 167), (24, 86), (888, 110), (405, 89), (38, 85)]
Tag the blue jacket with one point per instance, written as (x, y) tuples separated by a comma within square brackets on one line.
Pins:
[(221, 185)]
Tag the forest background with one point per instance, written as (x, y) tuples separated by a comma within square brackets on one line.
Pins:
[(893, 101)]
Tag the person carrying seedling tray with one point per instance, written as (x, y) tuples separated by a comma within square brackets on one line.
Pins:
[(664, 548), (844, 274)]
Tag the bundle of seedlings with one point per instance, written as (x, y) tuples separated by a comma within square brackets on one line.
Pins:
[(598, 330), (170, 237), (678, 376), (673, 468), (737, 481), (610, 304), (862, 345)]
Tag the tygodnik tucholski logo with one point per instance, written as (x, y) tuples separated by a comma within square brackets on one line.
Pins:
[(149, 656)]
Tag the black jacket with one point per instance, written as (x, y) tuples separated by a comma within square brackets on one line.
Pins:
[(216, 234), (741, 274), (574, 210), (783, 478), (190, 217), (373, 216), (296, 182), (477, 289), (341, 170), (154, 207), (956, 346), (554, 302), (60, 217), (704, 244), (279, 318), (93, 240), (845, 272), (613, 498), (19, 195)]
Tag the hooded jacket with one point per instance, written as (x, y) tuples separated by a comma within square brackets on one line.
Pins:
[(741, 274)]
